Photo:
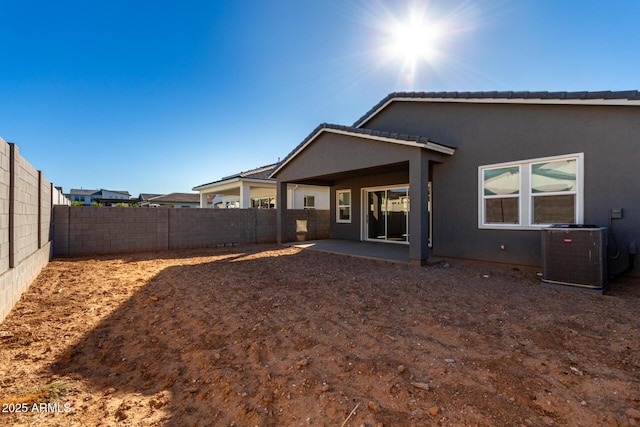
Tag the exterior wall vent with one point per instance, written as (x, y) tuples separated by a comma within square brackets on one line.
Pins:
[(575, 255)]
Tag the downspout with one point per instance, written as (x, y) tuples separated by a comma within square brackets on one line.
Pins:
[(293, 197)]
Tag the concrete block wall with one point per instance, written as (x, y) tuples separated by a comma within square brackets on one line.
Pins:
[(5, 171), (26, 202), (46, 211), (305, 225), (26, 206), (85, 230)]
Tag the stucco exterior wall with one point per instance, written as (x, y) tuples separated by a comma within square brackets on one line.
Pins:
[(493, 133), (295, 197), (352, 231), (333, 153)]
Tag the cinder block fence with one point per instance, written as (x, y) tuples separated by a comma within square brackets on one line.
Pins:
[(36, 221), (84, 230), (26, 201)]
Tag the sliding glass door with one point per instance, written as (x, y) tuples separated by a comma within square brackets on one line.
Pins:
[(388, 214)]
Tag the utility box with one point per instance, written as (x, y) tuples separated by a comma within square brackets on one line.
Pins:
[(575, 255)]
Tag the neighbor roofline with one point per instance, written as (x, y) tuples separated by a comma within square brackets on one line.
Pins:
[(602, 98), (394, 138), (232, 180)]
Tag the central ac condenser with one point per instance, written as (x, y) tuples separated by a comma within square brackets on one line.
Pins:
[(575, 255)]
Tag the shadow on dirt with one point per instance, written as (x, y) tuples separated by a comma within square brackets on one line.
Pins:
[(262, 338)]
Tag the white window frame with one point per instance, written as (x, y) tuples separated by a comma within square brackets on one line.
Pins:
[(525, 194), (338, 206), (364, 232)]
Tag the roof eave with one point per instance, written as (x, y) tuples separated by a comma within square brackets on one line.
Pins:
[(497, 100), (231, 181)]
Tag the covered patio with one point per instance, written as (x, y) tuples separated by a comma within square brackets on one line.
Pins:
[(367, 171)]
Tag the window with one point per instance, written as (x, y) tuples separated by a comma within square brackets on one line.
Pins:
[(263, 203), (343, 206), (531, 193), (309, 202), (501, 192), (554, 190)]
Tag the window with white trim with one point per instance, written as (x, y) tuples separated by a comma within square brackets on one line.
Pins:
[(531, 193), (343, 206)]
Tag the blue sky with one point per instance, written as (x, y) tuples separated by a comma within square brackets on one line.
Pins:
[(161, 96)]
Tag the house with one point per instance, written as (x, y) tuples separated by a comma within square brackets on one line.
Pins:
[(177, 200), (477, 175), (102, 196), (143, 198), (254, 189)]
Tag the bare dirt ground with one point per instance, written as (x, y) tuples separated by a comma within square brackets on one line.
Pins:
[(267, 335)]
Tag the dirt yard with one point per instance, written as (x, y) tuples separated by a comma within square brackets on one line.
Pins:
[(266, 335)]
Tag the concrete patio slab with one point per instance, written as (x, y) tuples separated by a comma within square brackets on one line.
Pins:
[(392, 252)]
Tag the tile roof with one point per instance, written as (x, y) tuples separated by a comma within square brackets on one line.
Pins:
[(605, 96), (146, 196), (263, 172), (124, 193), (177, 198), (81, 192)]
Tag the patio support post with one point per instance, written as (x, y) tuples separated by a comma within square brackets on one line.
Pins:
[(203, 200), (245, 196), (419, 208), (281, 212)]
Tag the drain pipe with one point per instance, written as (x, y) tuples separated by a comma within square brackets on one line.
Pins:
[(293, 197)]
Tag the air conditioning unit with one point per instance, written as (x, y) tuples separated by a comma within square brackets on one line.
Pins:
[(575, 255)]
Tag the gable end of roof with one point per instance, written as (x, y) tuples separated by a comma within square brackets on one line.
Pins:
[(400, 138)]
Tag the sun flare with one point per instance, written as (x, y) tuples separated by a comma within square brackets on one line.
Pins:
[(422, 38), (413, 41)]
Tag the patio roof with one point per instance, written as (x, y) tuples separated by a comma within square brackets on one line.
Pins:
[(376, 135)]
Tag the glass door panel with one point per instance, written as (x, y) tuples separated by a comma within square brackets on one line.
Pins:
[(388, 214), (377, 227), (397, 214)]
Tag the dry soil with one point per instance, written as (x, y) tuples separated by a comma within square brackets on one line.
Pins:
[(266, 335)]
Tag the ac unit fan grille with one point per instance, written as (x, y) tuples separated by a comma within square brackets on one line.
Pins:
[(575, 257)]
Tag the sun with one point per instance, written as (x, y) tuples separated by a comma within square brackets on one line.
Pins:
[(421, 38), (414, 40)]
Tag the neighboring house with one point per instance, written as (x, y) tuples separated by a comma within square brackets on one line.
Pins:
[(485, 171), (177, 200), (254, 189), (102, 196), (143, 198)]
